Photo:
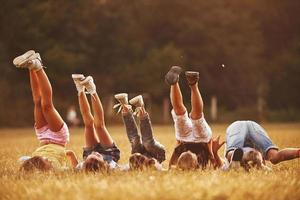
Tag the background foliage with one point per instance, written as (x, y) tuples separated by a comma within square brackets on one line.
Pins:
[(128, 45)]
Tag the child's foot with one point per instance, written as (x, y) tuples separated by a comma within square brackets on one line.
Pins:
[(29, 60), (138, 103), (122, 98), (172, 77), (77, 78), (24, 58), (89, 85), (192, 77)]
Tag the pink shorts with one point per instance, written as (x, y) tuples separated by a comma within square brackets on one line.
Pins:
[(61, 137), (189, 130)]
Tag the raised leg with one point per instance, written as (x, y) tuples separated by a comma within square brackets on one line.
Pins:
[(277, 156), (177, 100), (132, 131), (89, 129), (53, 118), (197, 102), (101, 130), (39, 118), (154, 148)]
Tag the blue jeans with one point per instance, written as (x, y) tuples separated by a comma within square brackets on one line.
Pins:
[(248, 134)]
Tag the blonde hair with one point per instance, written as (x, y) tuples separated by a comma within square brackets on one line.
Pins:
[(36, 163), (138, 161), (95, 165), (187, 161)]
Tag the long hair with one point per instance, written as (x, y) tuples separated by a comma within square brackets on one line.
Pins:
[(36, 163)]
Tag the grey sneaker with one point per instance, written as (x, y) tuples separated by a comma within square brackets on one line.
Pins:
[(192, 77), (172, 77)]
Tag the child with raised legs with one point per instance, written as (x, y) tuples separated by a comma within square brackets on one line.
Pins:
[(51, 130), (146, 151), (193, 134), (100, 152)]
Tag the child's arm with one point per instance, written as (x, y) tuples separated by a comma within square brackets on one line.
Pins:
[(216, 145), (72, 157)]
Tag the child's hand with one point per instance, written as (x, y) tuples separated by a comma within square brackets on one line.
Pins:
[(69, 153), (216, 145)]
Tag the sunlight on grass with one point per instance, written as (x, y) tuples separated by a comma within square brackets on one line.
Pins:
[(280, 184)]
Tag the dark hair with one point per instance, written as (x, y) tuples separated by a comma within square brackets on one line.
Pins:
[(138, 161), (199, 149), (36, 163), (95, 165)]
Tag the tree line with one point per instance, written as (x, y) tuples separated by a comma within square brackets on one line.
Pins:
[(244, 50)]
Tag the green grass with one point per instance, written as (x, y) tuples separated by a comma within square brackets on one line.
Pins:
[(280, 184)]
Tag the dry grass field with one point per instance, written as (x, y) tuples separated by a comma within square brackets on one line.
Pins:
[(281, 184)]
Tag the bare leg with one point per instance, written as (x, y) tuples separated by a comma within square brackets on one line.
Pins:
[(54, 120), (197, 102), (177, 100), (39, 118), (276, 156), (88, 119), (101, 130)]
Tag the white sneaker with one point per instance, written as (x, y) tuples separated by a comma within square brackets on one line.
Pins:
[(89, 85), (77, 78), (138, 103), (122, 98), (22, 59), (34, 62)]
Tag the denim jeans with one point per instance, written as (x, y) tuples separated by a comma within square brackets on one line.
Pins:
[(248, 134), (139, 145)]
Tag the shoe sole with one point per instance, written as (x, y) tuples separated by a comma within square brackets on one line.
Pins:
[(77, 77), (121, 95), (172, 76), (18, 61), (193, 75), (136, 101)]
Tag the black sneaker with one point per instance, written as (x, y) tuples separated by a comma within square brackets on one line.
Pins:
[(236, 159), (172, 77), (192, 77)]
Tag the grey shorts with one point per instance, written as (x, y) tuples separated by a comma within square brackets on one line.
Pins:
[(248, 134)]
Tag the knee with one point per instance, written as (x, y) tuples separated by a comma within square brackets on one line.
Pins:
[(37, 101), (180, 110), (89, 123), (274, 160), (47, 107)]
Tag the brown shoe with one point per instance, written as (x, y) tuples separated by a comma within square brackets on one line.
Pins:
[(192, 77)]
